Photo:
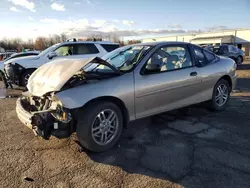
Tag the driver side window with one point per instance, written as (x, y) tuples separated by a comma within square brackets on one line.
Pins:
[(169, 58), (64, 50)]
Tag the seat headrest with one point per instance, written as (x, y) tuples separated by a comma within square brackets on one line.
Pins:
[(172, 58)]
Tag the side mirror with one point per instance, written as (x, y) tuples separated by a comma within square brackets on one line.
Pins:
[(51, 55), (152, 68)]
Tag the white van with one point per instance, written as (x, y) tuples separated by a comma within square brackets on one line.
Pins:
[(19, 70)]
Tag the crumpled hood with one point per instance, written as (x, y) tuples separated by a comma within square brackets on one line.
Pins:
[(20, 59), (53, 75)]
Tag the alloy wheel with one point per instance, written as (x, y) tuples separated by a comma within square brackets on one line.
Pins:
[(26, 78), (105, 127), (222, 94)]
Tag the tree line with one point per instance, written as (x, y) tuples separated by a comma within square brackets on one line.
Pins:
[(41, 43)]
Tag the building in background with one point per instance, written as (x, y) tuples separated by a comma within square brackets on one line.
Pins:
[(238, 37)]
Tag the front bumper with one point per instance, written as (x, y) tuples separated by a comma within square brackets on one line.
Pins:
[(234, 81), (42, 123), (13, 72)]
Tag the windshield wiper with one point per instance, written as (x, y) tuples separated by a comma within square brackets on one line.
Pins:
[(120, 53), (99, 61)]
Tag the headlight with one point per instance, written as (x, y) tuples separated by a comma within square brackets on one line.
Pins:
[(56, 103), (60, 113)]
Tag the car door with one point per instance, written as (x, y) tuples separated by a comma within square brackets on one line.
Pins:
[(207, 71), (173, 85)]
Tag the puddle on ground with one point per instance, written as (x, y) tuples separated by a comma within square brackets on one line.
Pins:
[(4, 94)]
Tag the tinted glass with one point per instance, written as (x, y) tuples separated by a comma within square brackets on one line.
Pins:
[(223, 50), (231, 49), (109, 47), (82, 49), (210, 57), (235, 49), (200, 56)]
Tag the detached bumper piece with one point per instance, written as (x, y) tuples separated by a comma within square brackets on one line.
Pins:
[(43, 123)]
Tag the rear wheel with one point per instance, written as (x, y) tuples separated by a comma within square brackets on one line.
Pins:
[(239, 60), (221, 95), (99, 126), (25, 77)]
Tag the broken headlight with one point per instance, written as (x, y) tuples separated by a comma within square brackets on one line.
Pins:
[(60, 113)]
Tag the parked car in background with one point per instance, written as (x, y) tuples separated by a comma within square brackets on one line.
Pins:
[(97, 97), (1, 70), (22, 54), (12, 56), (5, 55), (228, 51), (18, 70)]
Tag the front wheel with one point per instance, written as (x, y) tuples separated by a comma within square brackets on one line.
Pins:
[(25, 77), (221, 95), (99, 126)]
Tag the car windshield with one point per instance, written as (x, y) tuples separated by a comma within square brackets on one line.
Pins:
[(123, 59), (48, 50)]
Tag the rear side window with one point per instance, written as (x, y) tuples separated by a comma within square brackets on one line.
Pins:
[(65, 50), (223, 50), (210, 57), (200, 57), (82, 49), (110, 47), (235, 49)]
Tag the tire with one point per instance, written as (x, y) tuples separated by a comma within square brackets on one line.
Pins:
[(213, 104), (88, 121), (25, 76), (239, 60)]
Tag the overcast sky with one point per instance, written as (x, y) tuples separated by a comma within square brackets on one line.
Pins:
[(79, 18)]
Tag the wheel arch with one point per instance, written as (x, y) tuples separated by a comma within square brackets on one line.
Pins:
[(227, 78), (114, 100), (21, 74), (241, 57)]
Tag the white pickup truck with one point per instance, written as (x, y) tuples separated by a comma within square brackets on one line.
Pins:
[(19, 70)]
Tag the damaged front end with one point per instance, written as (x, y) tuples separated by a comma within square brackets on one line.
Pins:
[(45, 116), (39, 108)]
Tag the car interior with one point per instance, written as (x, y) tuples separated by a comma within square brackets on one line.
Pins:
[(166, 61)]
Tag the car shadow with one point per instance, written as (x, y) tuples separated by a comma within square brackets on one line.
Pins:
[(243, 84), (173, 145), (243, 67)]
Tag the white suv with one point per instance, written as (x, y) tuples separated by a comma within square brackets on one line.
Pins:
[(19, 70)]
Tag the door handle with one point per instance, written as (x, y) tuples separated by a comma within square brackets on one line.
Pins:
[(193, 74)]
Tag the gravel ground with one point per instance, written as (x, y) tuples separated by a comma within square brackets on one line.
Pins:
[(190, 147)]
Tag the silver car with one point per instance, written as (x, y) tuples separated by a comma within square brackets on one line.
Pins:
[(97, 97)]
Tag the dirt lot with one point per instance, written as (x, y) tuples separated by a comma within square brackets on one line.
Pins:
[(190, 147)]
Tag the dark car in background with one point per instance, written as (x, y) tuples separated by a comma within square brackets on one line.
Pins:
[(228, 51), (22, 54)]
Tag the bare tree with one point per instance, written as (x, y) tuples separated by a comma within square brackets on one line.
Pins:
[(63, 37)]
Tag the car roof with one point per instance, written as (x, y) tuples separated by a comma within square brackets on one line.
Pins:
[(159, 43), (90, 42)]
